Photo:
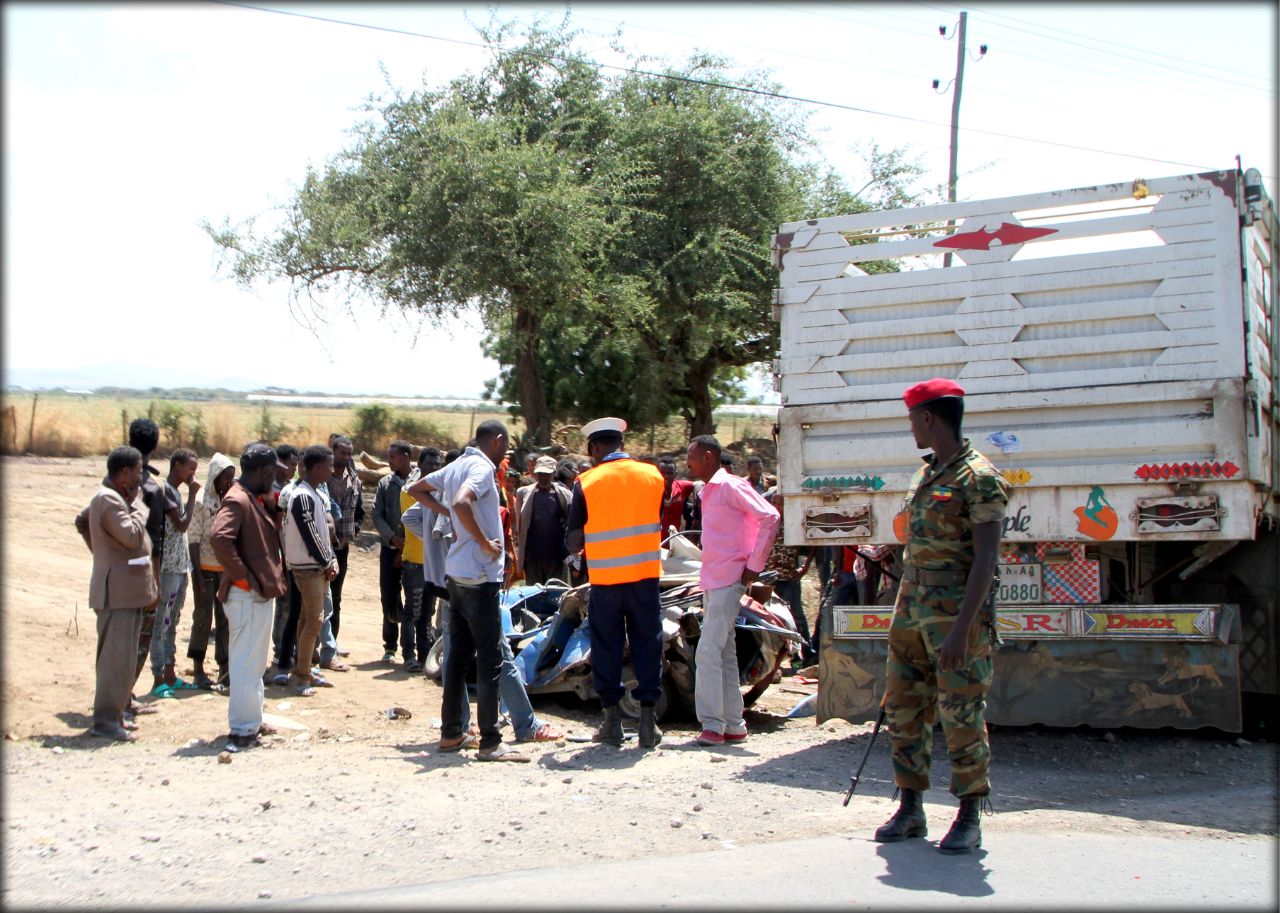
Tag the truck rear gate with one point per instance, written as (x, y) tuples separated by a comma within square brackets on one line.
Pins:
[(1115, 346)]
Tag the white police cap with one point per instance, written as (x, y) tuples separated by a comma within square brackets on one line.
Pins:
[(604, 425)]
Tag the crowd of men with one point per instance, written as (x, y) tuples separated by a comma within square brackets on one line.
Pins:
[(266, 552), (306, 508)]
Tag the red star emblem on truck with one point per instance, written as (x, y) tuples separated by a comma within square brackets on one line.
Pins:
[(981, 239)]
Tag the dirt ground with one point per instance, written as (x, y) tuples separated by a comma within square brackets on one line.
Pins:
[(345, 798)]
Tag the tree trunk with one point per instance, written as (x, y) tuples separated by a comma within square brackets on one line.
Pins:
[(533, 398), (698, 382)]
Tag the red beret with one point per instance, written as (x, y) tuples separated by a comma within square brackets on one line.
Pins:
[(928, 390)]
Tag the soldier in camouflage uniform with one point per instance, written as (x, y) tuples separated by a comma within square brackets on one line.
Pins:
[(943, 626)]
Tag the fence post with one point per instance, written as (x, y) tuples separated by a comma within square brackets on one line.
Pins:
[(31, 429), (10, 436), (124, 425)]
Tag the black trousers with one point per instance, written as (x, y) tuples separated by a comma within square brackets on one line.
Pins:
[(475, 629), (389, 586), (622, 615), (289, 636), (335, 586)]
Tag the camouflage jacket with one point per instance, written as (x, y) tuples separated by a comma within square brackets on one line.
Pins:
[(943, 503)]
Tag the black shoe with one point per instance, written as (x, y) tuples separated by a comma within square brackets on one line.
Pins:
[(610, 731), (241, 742), (966, 831), (650, 734), (907, 821)]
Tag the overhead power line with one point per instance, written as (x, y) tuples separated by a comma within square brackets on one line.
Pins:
[(1181, 62), (831, 61), (1178, 67), (710, 83)]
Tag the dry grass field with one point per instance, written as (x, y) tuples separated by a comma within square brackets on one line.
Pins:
[(68, 425)]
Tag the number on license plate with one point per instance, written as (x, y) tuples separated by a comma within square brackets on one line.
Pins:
[(1020, 584)]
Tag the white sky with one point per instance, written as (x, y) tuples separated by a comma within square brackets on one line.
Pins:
[(125, 125)]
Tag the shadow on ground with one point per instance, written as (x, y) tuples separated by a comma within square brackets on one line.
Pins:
[(1140, 774)]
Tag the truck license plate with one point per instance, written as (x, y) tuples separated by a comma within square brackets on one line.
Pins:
[(1020, 584)]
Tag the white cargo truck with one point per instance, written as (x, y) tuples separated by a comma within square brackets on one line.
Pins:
[(1115, 345)]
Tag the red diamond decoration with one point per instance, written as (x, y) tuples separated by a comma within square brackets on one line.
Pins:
[(1149, 471)]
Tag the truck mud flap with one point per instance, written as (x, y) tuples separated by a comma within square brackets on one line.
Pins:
[(1104, 684)]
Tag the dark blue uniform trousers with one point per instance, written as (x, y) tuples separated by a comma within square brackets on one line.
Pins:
[(618, 615)]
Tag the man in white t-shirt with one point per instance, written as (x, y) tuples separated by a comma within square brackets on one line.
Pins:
[(474, 568)]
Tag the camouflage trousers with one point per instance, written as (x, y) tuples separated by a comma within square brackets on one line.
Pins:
[(917, 691)]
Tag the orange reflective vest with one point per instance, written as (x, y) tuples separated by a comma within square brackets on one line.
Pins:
[(623, 531)]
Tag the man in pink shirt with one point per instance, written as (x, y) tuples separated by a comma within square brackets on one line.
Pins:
[(738, 528)]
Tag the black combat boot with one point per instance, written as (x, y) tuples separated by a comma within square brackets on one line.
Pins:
[(907, 821), (650, 734), (610, 731), (966, 831)]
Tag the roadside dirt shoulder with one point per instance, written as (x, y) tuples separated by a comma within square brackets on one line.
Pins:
[(345, 798)]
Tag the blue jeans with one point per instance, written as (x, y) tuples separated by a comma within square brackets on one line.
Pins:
[(513, 699), (789, 592), (328, 643), (843, 591), (475, 629), (414, 640)]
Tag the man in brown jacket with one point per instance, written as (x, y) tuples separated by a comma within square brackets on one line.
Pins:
[(247, 543), (122, 587)]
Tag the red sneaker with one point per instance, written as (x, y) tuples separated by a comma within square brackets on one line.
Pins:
[(710, 737), (735, 736)]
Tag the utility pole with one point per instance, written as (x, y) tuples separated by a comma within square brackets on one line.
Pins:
[(958, 85), (955, 109), (955, 122)]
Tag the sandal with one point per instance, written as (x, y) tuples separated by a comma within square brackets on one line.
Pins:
[(162, 691), (467, 740), (267, 729), (280, 678), (334, 665), (317, 682), (304, 691), (544, 733), (204, 683), (180, 685), (129, 725), (501, 752), (142, 709)]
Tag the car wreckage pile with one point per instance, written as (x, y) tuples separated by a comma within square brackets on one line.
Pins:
[(546, 628)]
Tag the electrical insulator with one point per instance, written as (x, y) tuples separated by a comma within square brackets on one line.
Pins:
[(936, 83)]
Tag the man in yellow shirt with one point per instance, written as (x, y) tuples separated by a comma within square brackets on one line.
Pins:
[(415, 625)]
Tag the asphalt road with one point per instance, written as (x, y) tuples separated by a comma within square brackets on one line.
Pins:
[(1076, 871)]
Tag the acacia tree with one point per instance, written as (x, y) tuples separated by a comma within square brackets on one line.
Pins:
[(711, 173), (482, 195)]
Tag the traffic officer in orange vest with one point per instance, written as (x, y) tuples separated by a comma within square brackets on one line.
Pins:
[(616, 513)]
